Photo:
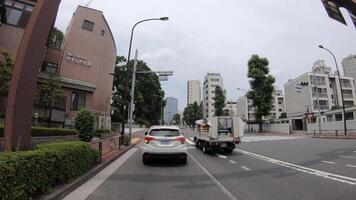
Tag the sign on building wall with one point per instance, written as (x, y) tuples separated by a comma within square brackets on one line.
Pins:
[(77, 59)]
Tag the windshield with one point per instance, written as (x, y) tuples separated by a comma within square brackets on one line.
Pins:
[(165, 133)]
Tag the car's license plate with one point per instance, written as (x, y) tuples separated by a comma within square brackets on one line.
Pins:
[(165, 142), (223, 145)]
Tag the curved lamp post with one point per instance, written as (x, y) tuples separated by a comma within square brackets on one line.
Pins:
[(342, 95), (128, 60)]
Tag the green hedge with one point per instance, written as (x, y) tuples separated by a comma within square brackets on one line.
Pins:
[(39, 131), (29, 174)]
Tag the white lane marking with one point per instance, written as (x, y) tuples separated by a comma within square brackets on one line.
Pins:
[(327, 175), (221, 156), (224, 190), (354, 166), (189, 141), (190, 147), (348, 157), (245, 168), (233, 162), (354, 151), (329, 162), (90, 186)]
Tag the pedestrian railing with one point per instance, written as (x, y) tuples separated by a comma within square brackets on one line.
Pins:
[(334, 132), (106, 145)]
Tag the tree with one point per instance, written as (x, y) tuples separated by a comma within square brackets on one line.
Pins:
[(55, 38), (149, 96), (219, 103), (84, 123), (262, 87), (6, 66), (192, 113), (47, 95), (176, 119)]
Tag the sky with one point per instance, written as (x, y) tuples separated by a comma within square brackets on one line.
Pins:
[(204, 36)]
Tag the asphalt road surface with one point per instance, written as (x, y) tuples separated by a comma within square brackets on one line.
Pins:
[(262, 167)]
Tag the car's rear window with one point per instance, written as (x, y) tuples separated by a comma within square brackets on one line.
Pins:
[(165, 132)]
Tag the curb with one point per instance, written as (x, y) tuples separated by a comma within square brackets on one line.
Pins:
[(333, 137), (63, 191)]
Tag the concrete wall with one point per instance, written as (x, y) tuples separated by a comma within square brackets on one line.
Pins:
[(330, 127), (273, 128)]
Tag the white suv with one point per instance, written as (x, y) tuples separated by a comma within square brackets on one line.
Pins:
[(164, 142)]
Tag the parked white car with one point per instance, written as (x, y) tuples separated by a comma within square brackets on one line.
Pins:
[(164, 142)]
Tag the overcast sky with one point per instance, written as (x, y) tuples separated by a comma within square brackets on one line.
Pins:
[(220, 36)]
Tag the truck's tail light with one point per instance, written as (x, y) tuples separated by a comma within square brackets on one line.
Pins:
[(148, 139), (180, 139)]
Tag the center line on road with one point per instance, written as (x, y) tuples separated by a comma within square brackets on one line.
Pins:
[(245, 168), (224, 190), (327, 175), (354, 166), (329, 162), (221, 156), (231, 161), (349, 157)]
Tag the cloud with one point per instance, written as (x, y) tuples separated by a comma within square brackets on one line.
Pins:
[(220, 36)]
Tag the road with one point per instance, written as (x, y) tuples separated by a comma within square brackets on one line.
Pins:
[(263, 167)]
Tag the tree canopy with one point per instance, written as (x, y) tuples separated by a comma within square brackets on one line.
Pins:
[(262, 87), (192, 113), (176, 119), (219, 101), (149, 96)]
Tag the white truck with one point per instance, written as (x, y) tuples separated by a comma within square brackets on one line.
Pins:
[(217, 133)]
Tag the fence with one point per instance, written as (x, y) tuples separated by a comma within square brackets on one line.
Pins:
[(333, 128), (106, 145)]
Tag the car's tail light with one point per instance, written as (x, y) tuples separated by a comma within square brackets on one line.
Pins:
[(180, 139), (148, 139)]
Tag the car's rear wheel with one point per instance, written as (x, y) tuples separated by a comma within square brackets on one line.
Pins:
[(183, 161), (145, 161)]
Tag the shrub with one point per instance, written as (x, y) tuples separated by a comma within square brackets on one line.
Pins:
[(28, 174), (84, 123), (38, 131)]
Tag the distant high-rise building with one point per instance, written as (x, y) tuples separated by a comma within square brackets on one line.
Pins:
[(349, 66), (193, 92), (231, 106), (211, 80), (170, 109)]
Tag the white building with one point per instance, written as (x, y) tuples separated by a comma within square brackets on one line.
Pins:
[(231, 106), (303, 100), (211, 80), (349, 66), (193, 92), (170, 109), (278, 107)]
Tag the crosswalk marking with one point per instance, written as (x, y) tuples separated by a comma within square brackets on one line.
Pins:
[(267, 138)]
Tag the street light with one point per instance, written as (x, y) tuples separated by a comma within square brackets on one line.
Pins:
[(128, 60), (248, 110), (342, 95)]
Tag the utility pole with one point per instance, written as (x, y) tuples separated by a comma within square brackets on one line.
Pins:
[(132, 99), (317, 102)]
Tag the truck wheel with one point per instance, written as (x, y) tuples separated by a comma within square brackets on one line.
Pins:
[(228, 150), (205, 148)]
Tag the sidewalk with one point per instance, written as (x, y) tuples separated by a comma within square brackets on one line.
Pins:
[(63, 190)]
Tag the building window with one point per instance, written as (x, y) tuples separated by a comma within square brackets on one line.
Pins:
[(88, 25), (102, 33), (17, 13), (324, 105), (349, 116), (329, 118), (348, 103), (78, 101), (50, 68), (338, 117)]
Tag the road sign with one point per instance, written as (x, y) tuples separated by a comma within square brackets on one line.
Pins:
[(162, 78), (333, 11)]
